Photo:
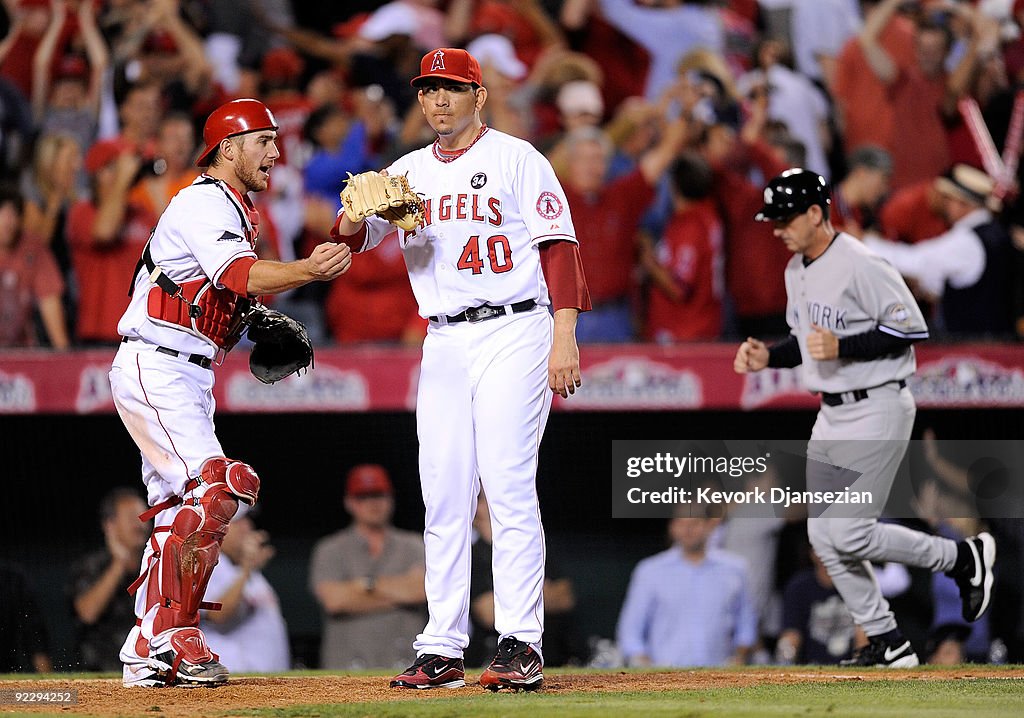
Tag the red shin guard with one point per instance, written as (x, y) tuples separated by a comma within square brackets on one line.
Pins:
[(181, 568)]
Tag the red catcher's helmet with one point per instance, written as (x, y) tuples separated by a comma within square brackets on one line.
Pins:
[(231, 119)]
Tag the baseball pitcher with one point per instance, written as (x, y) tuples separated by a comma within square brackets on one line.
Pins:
[(492, 257)]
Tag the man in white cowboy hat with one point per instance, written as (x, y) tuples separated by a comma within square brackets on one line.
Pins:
[(967, 268)]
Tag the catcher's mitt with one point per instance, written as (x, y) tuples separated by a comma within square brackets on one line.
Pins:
[(387, 196), (281, 345)]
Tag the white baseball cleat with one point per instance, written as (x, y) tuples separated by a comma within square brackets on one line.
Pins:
[(187, 662)]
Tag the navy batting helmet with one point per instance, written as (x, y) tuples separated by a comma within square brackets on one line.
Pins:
[(792, 192)]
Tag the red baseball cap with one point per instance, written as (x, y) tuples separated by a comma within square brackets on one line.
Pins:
[(450, 63), (368, 480), (103, 153), (282, 64)]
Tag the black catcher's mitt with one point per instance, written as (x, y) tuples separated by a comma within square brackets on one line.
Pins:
[(281, 345)]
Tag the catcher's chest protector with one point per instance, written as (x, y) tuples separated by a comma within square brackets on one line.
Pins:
[(210, 313), (216, 319)]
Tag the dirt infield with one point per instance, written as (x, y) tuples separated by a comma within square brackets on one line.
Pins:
[(108, 697)]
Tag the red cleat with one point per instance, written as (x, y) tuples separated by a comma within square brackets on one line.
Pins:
[(432, 671), (516, 665)]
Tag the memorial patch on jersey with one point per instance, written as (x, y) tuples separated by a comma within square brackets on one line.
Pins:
[(549, 206), (897, 314), (229, 237), (478, 180)]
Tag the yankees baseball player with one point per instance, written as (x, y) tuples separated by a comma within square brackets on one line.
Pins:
[(496, 251), (853, 322), (199, 264)]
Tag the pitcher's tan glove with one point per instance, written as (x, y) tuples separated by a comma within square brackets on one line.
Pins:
[(387, 196)]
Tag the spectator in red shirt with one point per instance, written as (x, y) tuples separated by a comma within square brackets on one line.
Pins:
[(610, 215), (686, 267), (106, 235), (624, 64), (863, 105), (919, 94), (1013, 52), (914, 213), (28, 20), (29, 280), (376, 304), (751, 248)]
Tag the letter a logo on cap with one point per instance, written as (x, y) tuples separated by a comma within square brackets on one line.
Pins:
[(438, 63)]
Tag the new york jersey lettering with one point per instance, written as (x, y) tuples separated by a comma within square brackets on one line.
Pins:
[(826, 316)]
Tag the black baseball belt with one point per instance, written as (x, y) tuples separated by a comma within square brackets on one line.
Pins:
[(486, 311), (197, 359), (852, 397)]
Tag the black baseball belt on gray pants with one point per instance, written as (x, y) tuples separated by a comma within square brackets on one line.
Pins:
[(852, 397)]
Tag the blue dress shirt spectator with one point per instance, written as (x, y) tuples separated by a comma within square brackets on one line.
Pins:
[(688, 606)]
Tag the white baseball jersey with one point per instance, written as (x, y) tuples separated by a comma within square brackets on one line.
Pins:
[(482, 400), (850, 290), (205, 228), (486, 211)]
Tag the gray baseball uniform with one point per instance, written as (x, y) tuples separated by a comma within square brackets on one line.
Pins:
[(865, 420)]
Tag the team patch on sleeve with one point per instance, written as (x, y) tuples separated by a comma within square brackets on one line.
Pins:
[(549, 206), (899, 320), (897, 316)]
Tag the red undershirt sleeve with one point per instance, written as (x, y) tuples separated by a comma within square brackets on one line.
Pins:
[(236, 276), (563, 270), (355, 241)]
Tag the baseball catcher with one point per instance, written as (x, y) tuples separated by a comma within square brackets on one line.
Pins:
[(388, 197), (191, 301)]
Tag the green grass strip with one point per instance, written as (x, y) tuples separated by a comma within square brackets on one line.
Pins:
[(971, 698)]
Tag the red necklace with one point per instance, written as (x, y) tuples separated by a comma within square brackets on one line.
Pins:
[(443, 155)]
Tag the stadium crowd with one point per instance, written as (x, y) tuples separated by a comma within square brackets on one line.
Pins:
[(663, 118)]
